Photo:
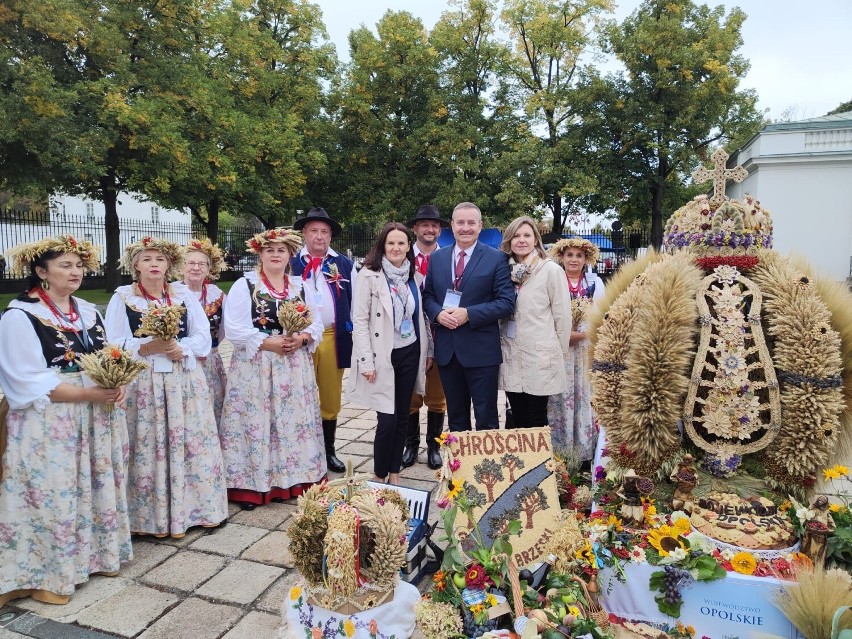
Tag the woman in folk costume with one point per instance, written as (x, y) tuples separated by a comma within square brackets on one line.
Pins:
[(176, 477), (202, 263), (534, 341), (63, 510), (271, 430), (570, 414)]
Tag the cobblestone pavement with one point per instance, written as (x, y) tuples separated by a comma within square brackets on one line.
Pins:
[(226, 583)]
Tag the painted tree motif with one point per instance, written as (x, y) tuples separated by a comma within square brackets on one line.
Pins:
[(500, 523), (488, 472), (511, 463), (531, 500), (476, 498)]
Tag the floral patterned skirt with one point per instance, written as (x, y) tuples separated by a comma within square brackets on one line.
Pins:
[(63, 506), (271, 430), (176, 478), (572, 426), (214, 373)]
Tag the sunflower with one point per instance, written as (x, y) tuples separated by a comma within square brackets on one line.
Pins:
[(665, 540), (843, 471), (587, 554), (453, 488), (744, 563), (614, 522)]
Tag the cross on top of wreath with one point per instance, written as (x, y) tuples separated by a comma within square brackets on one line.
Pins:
[(720, 175)]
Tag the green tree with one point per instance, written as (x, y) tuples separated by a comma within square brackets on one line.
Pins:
[(477, 130), (843, 108), (91, 91), (389, 114), (549, 37), (256, 93), (677, 97)]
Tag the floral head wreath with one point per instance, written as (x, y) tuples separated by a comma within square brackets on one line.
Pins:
[(212, 251), (590, 249), (22, 256), (288, 237), (171, 250)]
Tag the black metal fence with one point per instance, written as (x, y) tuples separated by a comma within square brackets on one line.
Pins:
[(18, 226)]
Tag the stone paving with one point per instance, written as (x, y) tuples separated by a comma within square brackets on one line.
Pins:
[(225, 583)]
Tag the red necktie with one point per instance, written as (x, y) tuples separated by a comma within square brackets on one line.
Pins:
[(459, 269), (422, 264)]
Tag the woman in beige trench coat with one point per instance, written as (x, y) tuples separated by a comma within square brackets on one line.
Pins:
[(535, 340), (390, 345)]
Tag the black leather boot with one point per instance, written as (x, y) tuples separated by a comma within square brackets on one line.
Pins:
[(434, 428), (412, 440), (329, 426)]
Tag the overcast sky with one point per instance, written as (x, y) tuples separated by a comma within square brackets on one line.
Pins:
[(799, 51)]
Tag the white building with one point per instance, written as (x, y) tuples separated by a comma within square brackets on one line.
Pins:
[(84, 219), (802, 173)]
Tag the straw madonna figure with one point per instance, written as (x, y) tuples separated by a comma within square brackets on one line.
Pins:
[(742, 348)]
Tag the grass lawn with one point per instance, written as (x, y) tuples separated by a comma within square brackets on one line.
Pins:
[(93, 296)]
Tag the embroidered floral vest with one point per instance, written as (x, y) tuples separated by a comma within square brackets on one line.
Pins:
[(61, 347), (264, 312)]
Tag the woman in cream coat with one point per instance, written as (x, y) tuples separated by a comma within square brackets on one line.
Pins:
[(390, 345), (535, 340)]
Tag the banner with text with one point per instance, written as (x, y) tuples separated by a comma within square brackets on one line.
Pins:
[(736, 607), (508, 475)]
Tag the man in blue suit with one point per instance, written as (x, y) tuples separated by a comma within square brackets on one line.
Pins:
[(468, 289)]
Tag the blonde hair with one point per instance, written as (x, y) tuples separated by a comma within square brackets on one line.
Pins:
[(509, 233)]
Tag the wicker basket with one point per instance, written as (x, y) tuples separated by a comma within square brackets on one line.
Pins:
[(593, 610)]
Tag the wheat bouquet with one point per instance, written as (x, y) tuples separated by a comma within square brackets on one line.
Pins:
[(111, 367), (579, 308), (294, 316), (162, 322)]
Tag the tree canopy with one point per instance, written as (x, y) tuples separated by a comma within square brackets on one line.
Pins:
[(241, 106)]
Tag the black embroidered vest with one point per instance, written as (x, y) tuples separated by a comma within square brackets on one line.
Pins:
[(60, 347), (264, 312)]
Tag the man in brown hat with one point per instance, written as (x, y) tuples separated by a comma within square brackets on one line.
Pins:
[(330, 277), (427, 225)]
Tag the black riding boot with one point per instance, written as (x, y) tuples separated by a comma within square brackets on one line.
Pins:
[(412, 440), (434, 428), (329, 426)]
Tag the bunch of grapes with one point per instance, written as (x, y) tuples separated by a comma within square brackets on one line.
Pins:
[(472, 629), (674, 581)]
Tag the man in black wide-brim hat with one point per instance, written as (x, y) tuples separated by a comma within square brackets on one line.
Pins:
[(330, 277), (427, 225)]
